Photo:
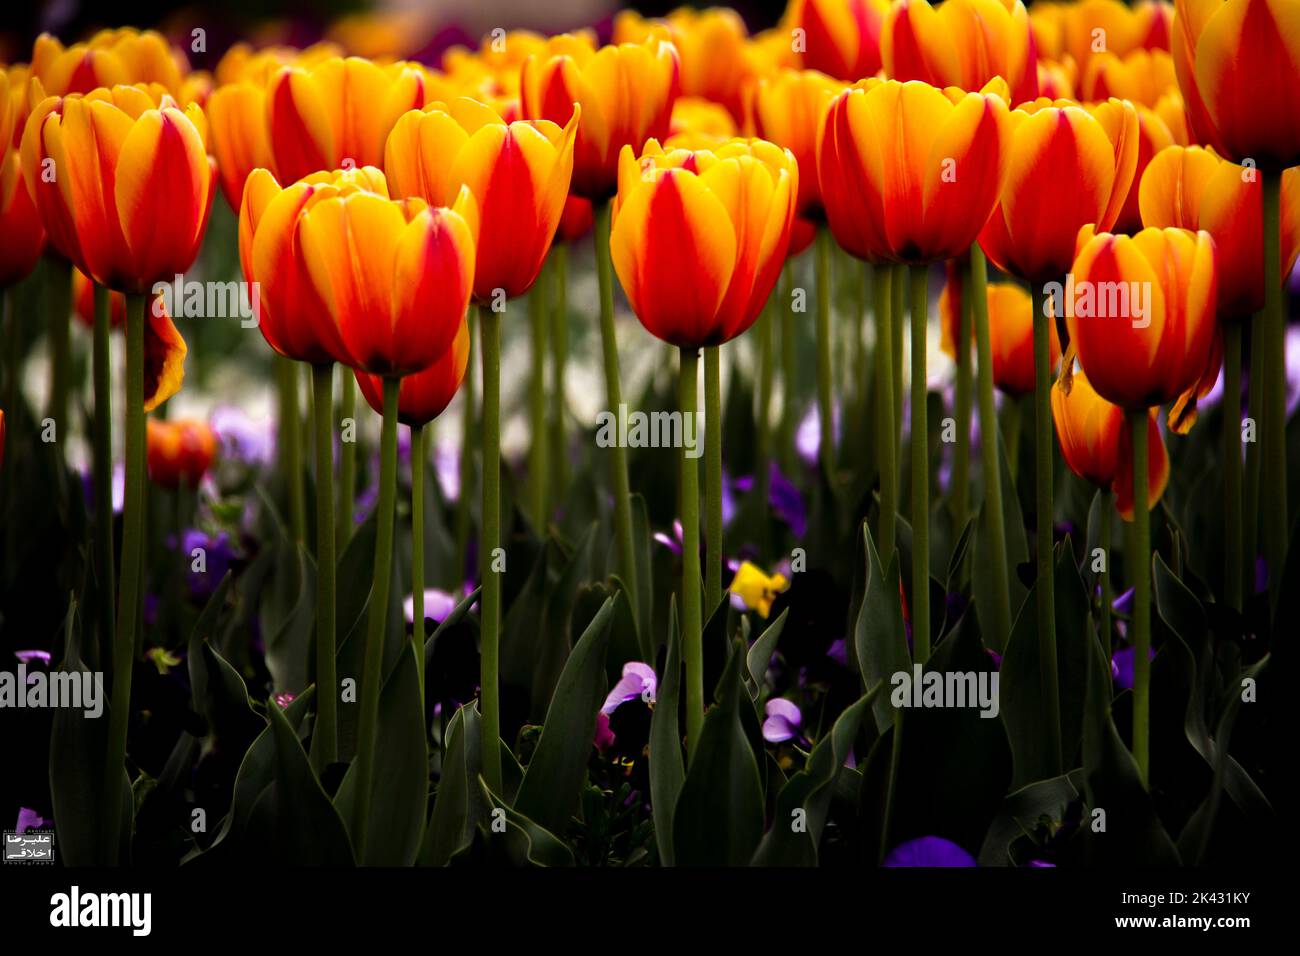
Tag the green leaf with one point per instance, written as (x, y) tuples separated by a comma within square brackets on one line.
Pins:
[(400, 784), (221, 697), (760, 655), (718, 820), (806, 797), (524, 842), (667, 768), (552, 782), (293, 820), (457, 807), (880, 636), (982, 587), (1021, 810), (288, 616)]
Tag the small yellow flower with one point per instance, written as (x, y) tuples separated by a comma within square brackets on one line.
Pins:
[(756, 589), (163, 659)]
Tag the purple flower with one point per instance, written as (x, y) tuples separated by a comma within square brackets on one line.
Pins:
[(783, 720), (929, 851), (218, 554), (604, 738), (437, 605), (242, 437), (839, 652), (787, 503), (31, 820), (446, 465), (28, 656), (1121, 666), (638, 681), (674, 543), (285, 698)]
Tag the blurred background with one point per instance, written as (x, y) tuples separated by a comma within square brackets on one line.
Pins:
[(415, 29)]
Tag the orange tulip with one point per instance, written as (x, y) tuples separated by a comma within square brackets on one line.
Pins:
[(180, 451), (1192, 188), (962, 43), (1153, 136), (788, 108), (693, 116), (626, 93), (1069, 166), (519, 174), (83, 302), (240, 143), (427, 393), (576, 220), (123, 183), (242, 63), (394, 275), (712, 46), (841, 39), (1091, 27), (1238, 64), (1143, 76), (119, 57), (1011, 332), (1057, 79), (699, 237), (337, 113), (1097, 443), (22, 237), (1161, 347), (909, 173)]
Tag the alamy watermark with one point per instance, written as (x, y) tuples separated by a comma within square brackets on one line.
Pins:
[(77, 690), (650, 430), (949, 689), (182, 298), (1100, 300)]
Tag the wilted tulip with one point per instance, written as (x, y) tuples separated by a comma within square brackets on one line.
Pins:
[(1097, 443), (699, 237), (180, 452), (518, 173), (841, 39), (626, 93), (1011, 332), (962, 43)]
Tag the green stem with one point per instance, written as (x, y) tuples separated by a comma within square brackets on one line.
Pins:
[(887, 414), (325, 746), (994, 529), (762, 420), (1232, 559), (467, 432), (1140, 624), (60, 304), (417, 549), (130, 586), (291, 446), (1045, 586), (1107, 519), (898, 307), (920, 473), (614, 396), (372, 675), (825, 347), (959, 497), (858, 361), (1274, 495), (692, 636), (1254, 458), (539, 313), (559, 362), (789, 372), (713, 477), (891, 788), (103, 466), (489, 576), (347, 462)]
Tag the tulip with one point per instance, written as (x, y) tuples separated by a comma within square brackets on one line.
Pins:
[(626, 93), (1137, 361), (337, 113), (962, 43), (840, 39), (1011, 333), (702, 121), (422, 398), (1143, 76), (22, 237), (83, 301), (1238, 65), (396, 278), (909, 174), (1094, 27), (239, 136), (1154, 136), (788, 108), (698, 242), (111, 58), (180, 452), (712, 46)]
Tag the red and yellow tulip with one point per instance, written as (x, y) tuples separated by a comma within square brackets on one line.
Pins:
[(519, 174), (788, 108), (180, 452), (121, 57), (626, 92), (425, 394), (699, 237), (841, 39), (1097, 443), (1011, 331), (909, 173)]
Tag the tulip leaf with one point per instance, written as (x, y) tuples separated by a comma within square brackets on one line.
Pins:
[(399, 796), (221, 697), (802, 804), (522, 841), (552, 782), (288, 615), (667, 768), (458, 805), (293, 821), (879, 635), (982, 580), (760, 655), (718, 820), (1022, 809)]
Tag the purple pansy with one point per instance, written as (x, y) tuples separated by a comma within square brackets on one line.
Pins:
[(437, 605), (1121, 666), (638, 681), (784, 719), (33, 655), (29, 819), (929, 851), (604, 738), (218, 553)]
